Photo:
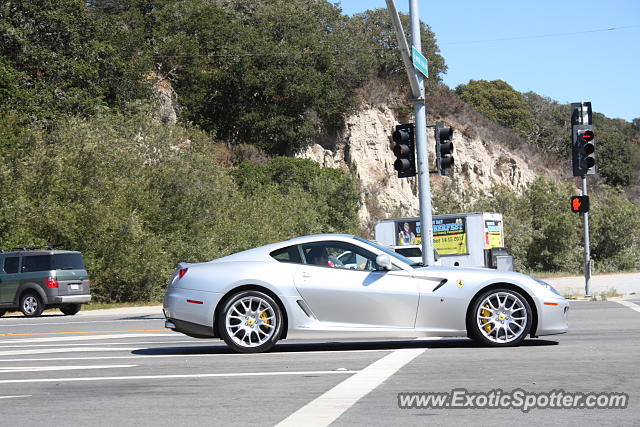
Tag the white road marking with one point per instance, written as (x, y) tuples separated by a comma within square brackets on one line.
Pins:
[(68, 350), (15, 397), (628, 304), (325, 409), (102, 343), (83, 337), (4, 369), (81, 322), (151, 356), (164, 377)]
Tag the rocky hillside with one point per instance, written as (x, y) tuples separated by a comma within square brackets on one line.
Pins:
[(365, 148)]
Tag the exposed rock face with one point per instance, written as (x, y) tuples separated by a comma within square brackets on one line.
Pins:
[(364, 147)]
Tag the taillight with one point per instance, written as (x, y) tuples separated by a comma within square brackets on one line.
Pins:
[(52, 282), (182, 272)]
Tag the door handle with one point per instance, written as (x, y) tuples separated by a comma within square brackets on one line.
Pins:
[(306, 275)]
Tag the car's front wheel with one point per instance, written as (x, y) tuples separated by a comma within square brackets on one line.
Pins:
[(499, 318), (31, 304), (70, 309), (250, 322)]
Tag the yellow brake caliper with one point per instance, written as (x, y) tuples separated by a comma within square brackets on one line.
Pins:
[(486, 313), (264, 316)]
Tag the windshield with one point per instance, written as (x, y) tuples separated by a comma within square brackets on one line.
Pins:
[(389, 252)]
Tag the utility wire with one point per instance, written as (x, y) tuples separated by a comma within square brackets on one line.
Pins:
[(542, 35), (314, 52)]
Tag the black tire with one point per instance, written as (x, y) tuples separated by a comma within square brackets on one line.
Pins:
[(31, 304), (274, 327), (486, 323), (2, 313), (70, 309)]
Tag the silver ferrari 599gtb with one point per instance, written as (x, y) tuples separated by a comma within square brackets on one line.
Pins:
[(341, 286)]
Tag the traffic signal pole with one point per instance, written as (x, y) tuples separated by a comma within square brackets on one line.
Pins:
[(420, 114), (581, 115), (587, 251)]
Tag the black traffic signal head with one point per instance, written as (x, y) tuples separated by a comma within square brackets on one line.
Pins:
[(583, 151), (444, 148), (405, 150), (579, 204)]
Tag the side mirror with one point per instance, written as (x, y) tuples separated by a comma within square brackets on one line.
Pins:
[(383, 261)]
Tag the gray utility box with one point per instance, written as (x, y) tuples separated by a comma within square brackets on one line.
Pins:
[(466, 239)]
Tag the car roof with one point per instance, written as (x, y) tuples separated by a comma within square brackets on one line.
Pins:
[(37, 252), (262, 253)]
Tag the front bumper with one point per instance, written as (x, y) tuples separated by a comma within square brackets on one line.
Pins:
[(553, 316)]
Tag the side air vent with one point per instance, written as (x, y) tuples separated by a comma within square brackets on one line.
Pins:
[(306, 309)]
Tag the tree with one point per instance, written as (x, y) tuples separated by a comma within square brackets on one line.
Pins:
[(499, 102)]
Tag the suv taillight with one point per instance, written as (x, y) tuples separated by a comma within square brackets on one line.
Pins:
[(52, 282), (182, 272)]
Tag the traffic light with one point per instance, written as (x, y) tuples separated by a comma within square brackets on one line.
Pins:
[(580, 204), (444, 148), (583, 153), (405, 150)]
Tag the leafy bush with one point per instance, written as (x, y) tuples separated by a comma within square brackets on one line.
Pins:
[(136, 197)]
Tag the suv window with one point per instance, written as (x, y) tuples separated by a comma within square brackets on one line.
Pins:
[(11, 264), (36, 263)]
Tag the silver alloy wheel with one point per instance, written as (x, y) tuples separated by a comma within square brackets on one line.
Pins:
[(250, 321), (30, 304), (502, 317)]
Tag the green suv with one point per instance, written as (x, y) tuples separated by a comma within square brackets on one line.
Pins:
[(35, 278)]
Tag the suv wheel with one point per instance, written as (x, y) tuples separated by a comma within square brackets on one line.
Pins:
[(70, 309), (31, 304)]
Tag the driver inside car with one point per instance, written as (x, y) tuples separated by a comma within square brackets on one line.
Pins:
[(319, 256)]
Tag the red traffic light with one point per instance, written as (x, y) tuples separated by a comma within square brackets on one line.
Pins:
[(586, 135), (580, 204)]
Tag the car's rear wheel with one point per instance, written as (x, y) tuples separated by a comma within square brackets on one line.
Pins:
[(31, 304), (499, 318), (250, 322), (70, 309)]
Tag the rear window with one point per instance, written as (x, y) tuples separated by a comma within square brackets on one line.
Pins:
[(52, 262), (68, 262)]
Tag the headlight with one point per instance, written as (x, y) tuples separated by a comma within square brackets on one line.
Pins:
[(548, 286)]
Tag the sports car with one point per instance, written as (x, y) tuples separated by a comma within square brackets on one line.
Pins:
[(342, 286)]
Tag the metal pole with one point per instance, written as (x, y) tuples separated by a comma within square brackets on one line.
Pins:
[(420, 113), (585, 119), (587, 252)]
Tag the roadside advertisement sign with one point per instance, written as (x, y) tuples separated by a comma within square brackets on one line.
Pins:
[(450, 235), (493, 234)]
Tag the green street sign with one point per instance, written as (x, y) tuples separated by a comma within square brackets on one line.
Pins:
[(419, 61)]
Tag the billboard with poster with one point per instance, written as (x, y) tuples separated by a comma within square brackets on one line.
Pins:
[(449, 234), (493, 237)]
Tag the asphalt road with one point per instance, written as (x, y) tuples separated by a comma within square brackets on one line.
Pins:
[(122, 368)]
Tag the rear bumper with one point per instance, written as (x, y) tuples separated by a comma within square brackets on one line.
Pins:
[(70, 299)]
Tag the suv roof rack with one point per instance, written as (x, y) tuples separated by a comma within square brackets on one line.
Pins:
[(31, 248)]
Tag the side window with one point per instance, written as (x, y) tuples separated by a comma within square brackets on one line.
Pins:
[(339, 255), (11, 264), (288, 254), (36, 263)]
